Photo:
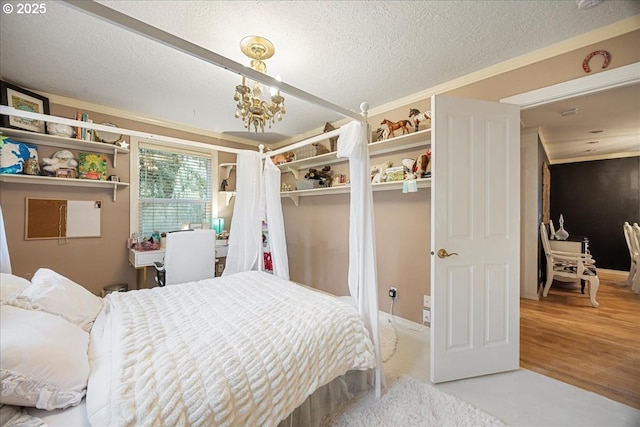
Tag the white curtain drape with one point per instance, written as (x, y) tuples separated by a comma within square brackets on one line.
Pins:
[(275, 220), (5, 261), (251, 207), (363, 281), (245, 236)]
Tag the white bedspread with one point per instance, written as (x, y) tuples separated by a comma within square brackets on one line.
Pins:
[(240, 350)]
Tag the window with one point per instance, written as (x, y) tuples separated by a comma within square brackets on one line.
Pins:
[(174, 188)]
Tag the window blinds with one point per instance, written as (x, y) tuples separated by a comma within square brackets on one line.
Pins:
[(174, 189)]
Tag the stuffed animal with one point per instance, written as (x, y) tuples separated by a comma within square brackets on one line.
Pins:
[(324, 175), (287, 157), (60, 159), (379, 172), (422, 167)]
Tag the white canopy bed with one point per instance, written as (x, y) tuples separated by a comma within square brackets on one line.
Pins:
[(244, 349)]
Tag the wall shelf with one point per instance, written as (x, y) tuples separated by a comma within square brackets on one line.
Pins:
[(228, 195), (228, 167), (404, 142), (62, 182), (342, 189), (63, 142)]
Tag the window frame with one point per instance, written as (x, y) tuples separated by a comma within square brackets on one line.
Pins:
[(134, 186)]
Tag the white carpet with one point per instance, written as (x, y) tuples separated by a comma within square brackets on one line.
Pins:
[(409, 402), (388, 338)]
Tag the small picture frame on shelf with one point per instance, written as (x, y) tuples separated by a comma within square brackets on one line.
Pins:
[(22, 99), (66, 173)]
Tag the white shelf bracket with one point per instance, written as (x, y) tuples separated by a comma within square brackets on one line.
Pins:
[(115, 188), (228, 196), (295, 172), (228, 169), (115, 158), (295, 198)]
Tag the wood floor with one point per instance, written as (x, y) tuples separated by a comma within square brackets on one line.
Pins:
[(596, 349)]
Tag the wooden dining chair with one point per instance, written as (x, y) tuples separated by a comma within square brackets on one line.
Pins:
[(569, 265), (632, 236)]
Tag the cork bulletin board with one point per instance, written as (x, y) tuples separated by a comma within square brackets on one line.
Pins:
[(60, 218)]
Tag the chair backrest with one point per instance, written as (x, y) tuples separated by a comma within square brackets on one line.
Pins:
[(635, 239), (190, 255), (544, 236), (629, 237), (552, 230)]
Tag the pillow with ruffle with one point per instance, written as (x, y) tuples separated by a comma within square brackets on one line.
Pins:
[(44, 363), (10, 285), (56, 294)]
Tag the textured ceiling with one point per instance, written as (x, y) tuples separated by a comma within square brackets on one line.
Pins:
[(343, 51)]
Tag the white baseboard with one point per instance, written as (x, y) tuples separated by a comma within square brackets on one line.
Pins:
[(405, 323)]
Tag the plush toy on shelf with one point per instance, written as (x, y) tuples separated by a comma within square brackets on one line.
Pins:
[(323, 175), (379, 172), (62, 159)]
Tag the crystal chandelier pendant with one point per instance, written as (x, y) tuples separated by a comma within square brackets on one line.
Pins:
[(251, 108)]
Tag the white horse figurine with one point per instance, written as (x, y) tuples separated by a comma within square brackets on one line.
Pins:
[(417, 117)]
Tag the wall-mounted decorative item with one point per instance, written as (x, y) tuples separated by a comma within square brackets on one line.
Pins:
[(22, 99), (546, 193), (107, 137), (92, 166), (14, 155), (603, 53)]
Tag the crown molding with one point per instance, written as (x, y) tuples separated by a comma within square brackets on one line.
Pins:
[(610, 31), (597, 157)]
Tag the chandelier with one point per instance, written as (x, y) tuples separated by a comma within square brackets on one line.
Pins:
[(255, 111)]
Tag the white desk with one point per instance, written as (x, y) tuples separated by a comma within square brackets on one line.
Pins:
[(140, 260)]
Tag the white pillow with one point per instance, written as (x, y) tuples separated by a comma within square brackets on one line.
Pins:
[(55, 294), (44, 361), (10, 284)]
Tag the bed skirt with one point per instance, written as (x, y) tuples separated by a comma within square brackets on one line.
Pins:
[(326, 399)]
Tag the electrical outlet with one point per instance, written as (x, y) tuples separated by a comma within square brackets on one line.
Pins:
[(427, 301), (426, 316), (393, 293)]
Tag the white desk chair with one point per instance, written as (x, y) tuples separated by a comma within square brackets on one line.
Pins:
[(572, 265), (189, 255)]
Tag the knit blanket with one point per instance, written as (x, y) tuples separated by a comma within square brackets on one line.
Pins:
[(239, 350)]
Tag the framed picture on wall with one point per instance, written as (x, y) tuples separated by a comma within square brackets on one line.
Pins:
[(22, 99)]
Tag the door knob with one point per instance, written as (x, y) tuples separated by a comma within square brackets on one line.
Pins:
[(442, 253)]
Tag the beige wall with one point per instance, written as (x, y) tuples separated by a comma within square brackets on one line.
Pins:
[(316, 230), (92, 262)]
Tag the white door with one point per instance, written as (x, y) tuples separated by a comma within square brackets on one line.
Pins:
[(475, 218)]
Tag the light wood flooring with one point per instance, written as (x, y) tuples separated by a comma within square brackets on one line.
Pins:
[(596, 349)]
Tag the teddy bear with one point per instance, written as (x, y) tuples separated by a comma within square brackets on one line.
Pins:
[(60, 159), (324, 175)]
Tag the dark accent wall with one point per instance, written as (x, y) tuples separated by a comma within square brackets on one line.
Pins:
[(596, 198)]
